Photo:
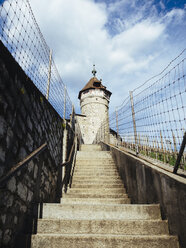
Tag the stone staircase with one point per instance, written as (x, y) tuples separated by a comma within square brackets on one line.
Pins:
[(96, 212)]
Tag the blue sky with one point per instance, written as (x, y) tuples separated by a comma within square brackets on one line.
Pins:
[(128, 40)]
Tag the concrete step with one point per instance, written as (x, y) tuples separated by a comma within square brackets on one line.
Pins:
[(97, 180), (101, 211), (94, 177), (97, 185), (101, 178), (96, 191), (90, 148), (99, 194), (103, 241), (95, 169), (95, 200), (95, 162), (127, 227), (94, 155), (96, 173)]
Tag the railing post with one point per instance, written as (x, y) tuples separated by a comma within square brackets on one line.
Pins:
[(49, 75), (134, 121)]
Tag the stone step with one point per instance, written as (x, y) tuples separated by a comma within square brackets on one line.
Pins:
[(96, 180), (95, 162), (96, 169), (127, 227), (90, 148), (103, 241), (96, 173), (94, 177), (99, 194), (97, 185), (95, 200), (101, 211), (94, 155), (101, 191)]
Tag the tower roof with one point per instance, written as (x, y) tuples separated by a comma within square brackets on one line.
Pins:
[(94, 83)]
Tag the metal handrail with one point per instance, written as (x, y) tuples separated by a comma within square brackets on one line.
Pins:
[(67, 180), (22, 164)]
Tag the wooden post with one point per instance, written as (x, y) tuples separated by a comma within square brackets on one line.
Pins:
[(147, 146), (134, 121), (156, 148), (117, 122), (174, 141), (139, 142), (162, 147), (49, 75)]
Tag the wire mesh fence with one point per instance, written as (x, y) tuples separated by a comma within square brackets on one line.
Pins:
[(21, 34), (151, 121)]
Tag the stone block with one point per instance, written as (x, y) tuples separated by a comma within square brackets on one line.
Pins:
[(7, 236), (18, 132), (30, 166), (3, 218), (23, 111), (35, 171), (29, 196), (21, 124), (22, 153), (22, 191), (29, 123), (9, 200), (3, 126), (29, 143), (15, 220), (1, 235), (2, 154), (9, 138), (15, 147), (3, 105)]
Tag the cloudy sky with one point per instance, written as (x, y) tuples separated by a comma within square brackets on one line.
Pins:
[(128, 40)]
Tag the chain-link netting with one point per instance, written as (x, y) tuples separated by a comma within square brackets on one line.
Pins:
[(21, 34), (152, 119)]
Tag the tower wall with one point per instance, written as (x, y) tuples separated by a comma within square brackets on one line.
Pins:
[(94, 106)]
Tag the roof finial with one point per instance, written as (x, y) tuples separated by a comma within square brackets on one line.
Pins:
[(94, 71)]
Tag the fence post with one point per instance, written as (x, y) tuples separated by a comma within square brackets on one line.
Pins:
[(174, 141), (117, 122), (162, 147), (49, 75), (134, 121), (64, 114)]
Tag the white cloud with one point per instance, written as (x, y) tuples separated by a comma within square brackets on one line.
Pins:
[(76, 31)]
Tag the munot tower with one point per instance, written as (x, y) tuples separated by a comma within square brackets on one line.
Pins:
[(94, 102)]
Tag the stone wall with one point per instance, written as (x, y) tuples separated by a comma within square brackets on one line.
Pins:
[(27, 120), (146, 183)]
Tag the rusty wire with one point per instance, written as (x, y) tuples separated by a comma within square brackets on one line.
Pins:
[(22, 36)]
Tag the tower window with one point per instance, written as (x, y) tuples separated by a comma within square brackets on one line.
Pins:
[(97, 84)]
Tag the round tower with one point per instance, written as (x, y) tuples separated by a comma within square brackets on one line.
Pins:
[(94, 101)]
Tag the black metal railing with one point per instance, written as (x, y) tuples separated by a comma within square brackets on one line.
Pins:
[(69, 166)]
